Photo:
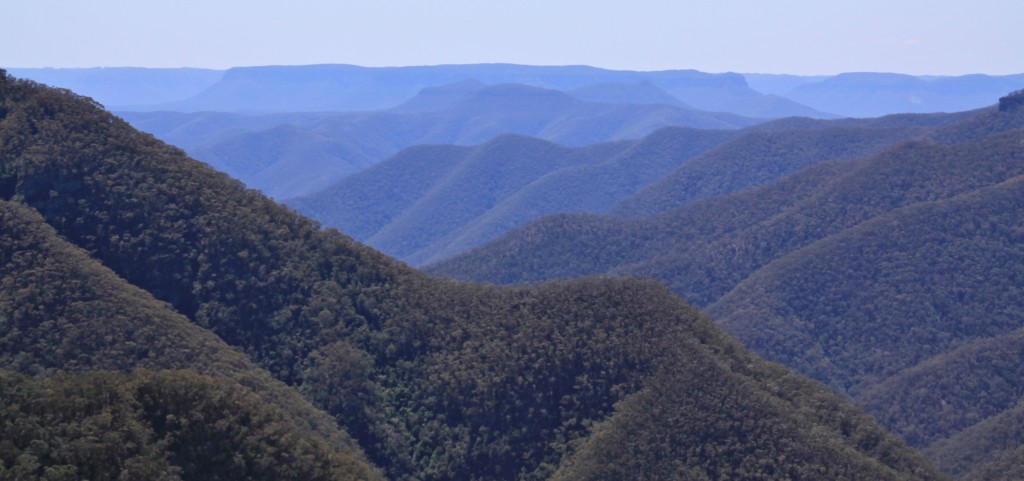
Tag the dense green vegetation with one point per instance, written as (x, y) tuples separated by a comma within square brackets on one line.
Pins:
[(1013, 101), (888, 293), (894, 278), (989, 450), (152, 425), (430, 202), (60, 311), (656, 424), (435, 379), (979, 381)]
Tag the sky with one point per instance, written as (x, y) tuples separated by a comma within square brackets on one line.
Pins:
[(804, 37)]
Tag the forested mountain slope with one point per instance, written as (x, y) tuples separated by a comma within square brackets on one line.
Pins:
[(832, 195), (991, 450), (467, 197), (424, 194), (981, 403), (756, 158), (62, 312), (431, 202), (921, 270), (154, 425), (938, 265), (868, 274), (435, 379)]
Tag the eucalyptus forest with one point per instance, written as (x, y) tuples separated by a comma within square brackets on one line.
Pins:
[(613, 275)]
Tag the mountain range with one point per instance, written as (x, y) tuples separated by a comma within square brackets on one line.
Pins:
[(119, 253), (294, 130), (354, 88), (286, 155), (350, 88), (893, 276), (429, 203), (876, 94)]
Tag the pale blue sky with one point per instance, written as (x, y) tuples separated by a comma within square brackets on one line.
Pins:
[(941, 37)]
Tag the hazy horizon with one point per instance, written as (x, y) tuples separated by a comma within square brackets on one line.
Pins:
[(796, 37), (17, 67)]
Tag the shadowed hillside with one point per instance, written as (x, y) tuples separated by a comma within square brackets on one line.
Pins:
[(868, 274), (428, 203), (62, 312), (154, 425), (757, 158), (435, 379), (467, 197)]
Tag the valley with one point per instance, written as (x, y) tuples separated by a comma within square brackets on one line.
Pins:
[(704, 281)]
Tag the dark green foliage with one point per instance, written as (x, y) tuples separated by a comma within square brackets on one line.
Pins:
[(990, 450), (1008, 467), (435, 379), (151, 425), (1012, 101), (868, 274), (609, 330), (782, 218), (62, 312), (507, 395), (978, 381), (890, 292), (665, 433), (147, 212)]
